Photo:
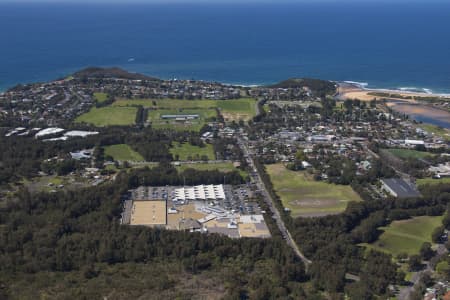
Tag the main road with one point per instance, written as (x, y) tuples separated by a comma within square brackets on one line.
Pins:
[(271, 204)]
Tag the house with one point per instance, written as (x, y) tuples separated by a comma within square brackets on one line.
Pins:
[(414, 143), (306, 165), (441, 170)]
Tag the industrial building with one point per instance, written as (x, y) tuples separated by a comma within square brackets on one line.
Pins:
[(400, 188), (180, 117), (321, 138), (218, 209), (200, 192)]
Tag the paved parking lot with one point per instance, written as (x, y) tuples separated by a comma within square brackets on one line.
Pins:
[(239, 200)]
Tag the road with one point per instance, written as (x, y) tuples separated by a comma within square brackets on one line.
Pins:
[(415, 278), (402, 174), (406, 291), (271, 204)]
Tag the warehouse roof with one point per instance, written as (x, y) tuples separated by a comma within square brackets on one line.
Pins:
[(402, 187), (200, 192)]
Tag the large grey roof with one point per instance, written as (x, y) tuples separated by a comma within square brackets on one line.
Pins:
[(403, 188)]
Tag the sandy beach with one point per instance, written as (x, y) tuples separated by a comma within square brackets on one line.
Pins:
[(353, 91), (415, 107)]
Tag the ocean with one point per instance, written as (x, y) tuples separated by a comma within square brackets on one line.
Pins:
[(384, 45)]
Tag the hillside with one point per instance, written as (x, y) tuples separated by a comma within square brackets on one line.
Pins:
[(95, 72), (316, 85)]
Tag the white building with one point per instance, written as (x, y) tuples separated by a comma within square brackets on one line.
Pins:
[(200, 192), (414, 142), (321, 138), (441, 170)]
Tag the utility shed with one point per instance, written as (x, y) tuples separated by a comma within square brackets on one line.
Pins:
[(400, 188)]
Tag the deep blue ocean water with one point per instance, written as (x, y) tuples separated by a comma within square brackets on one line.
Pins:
[(385, 45)]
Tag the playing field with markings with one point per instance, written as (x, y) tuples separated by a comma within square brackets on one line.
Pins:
[(204, 116), (235, 109), (306, 197)]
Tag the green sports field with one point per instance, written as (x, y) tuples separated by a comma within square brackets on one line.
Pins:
[(107, 116), (122, 152), (205, 115), (406, 236), (306, 197), (407, 153), (235, 109), (187, 151)]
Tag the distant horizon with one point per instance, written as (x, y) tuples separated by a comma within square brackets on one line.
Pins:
[(380, 45), (234, 2)]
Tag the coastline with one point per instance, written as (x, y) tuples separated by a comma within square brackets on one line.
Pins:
[(352, 90), (406, 102), (346, 89)]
